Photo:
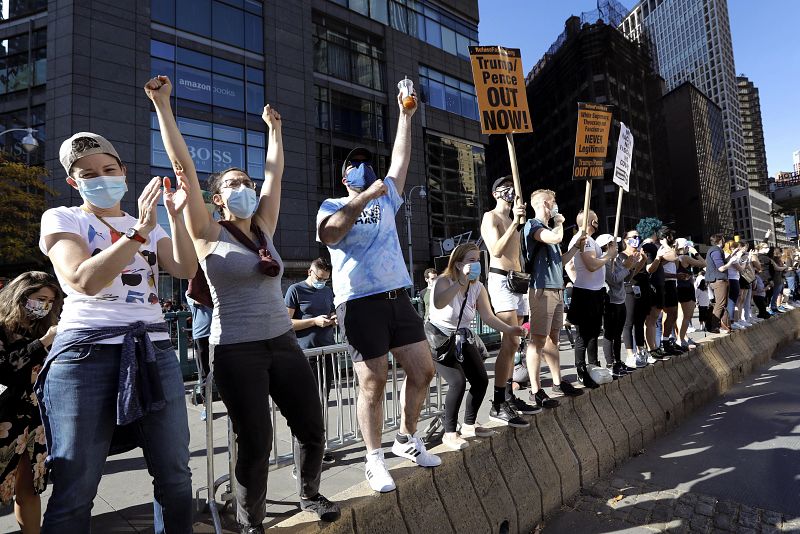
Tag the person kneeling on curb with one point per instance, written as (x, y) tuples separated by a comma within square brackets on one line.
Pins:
[(457, 294)]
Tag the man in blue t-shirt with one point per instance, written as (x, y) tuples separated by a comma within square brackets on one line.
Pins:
[(310, 307), (374, 311)]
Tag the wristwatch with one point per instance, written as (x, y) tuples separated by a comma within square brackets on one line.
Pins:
[(136, 236)]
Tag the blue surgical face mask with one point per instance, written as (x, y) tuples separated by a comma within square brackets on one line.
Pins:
[(102, 191), (474, 271), (360, 177), (240, 202), (633, 242), (318, 284)]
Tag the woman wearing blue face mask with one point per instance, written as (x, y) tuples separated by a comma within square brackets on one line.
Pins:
[(112, 366), (457, 295), (254, 350)]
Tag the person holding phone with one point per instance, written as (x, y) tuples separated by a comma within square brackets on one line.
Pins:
[(310, 307)]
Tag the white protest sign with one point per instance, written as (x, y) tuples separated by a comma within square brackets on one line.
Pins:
[(622, 166)]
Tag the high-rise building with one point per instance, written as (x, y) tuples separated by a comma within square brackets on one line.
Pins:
[(796, 161), (753, 133), (697, 201), (692, 40), (589, 62), (752, 214), (329, 67)]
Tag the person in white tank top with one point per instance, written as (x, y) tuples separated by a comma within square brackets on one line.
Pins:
[(459, 282)]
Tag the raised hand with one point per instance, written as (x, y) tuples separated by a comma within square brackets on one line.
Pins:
[(404, 110), (377, 189), (158, 89), (271, 117), (148, 200), (176, 200)]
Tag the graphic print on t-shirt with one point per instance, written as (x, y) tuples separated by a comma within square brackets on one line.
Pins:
[(370, 215), (138, 277), (131, 296)]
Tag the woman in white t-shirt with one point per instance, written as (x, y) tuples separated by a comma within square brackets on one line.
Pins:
[(112, 369), (458, 287)]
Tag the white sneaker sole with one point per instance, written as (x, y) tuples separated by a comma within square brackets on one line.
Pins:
[(409, 452), (384, 486)]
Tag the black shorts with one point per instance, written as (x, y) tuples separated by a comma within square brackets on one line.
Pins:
[(686, 294), (743, 284), (671, 294), (657, 297), (372, 326)]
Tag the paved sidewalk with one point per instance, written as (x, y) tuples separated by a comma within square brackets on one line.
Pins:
[(731, 467), (124, 499)]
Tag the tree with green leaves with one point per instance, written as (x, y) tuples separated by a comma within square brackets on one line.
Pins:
[(22, 202)]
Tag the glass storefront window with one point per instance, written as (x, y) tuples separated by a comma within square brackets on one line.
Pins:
[(456, 178), (353, 58), (16, 72), (11, 9), (350, 115), (228, 23), (447, 93), (195, 16), (234, 22)]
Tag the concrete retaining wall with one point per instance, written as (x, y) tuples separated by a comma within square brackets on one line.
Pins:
[(508, 483)]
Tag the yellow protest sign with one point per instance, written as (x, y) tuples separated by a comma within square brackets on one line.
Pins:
[(591, 141), (500, 86)]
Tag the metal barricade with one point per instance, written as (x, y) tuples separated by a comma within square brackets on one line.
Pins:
[(339, 418), (339, 409)]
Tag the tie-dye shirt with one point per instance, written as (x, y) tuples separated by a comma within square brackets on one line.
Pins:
[(132, 295), (368, 260)]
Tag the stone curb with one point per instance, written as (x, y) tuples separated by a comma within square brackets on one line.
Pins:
[(511, 481)]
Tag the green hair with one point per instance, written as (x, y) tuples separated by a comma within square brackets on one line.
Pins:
[(648, 226)]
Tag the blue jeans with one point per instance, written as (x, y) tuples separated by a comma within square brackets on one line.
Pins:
[(80, 395)]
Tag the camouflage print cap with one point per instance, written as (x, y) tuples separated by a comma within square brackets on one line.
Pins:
[(84, 144)]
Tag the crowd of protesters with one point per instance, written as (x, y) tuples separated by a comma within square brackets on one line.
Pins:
[(106, 378)]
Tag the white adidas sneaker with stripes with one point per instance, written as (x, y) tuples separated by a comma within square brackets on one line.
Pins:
[(414, 450), (377, 475)]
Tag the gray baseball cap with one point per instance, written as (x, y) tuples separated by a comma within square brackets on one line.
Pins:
[(84, 144)]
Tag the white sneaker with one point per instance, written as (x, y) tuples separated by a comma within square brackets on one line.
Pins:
[(454, 442), (736, 326), (476, 430), (414, 450), (630, 361), (377, 475), (691, 330)]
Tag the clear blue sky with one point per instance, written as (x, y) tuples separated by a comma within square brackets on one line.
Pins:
[(765, 47)]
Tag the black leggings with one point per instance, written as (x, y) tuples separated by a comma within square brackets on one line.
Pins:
[(614, 317), (456, 374), (634, 325), (247, 375), (586, 343)]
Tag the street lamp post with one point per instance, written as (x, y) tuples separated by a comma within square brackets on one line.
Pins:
[(407, 200), (29, 142)]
